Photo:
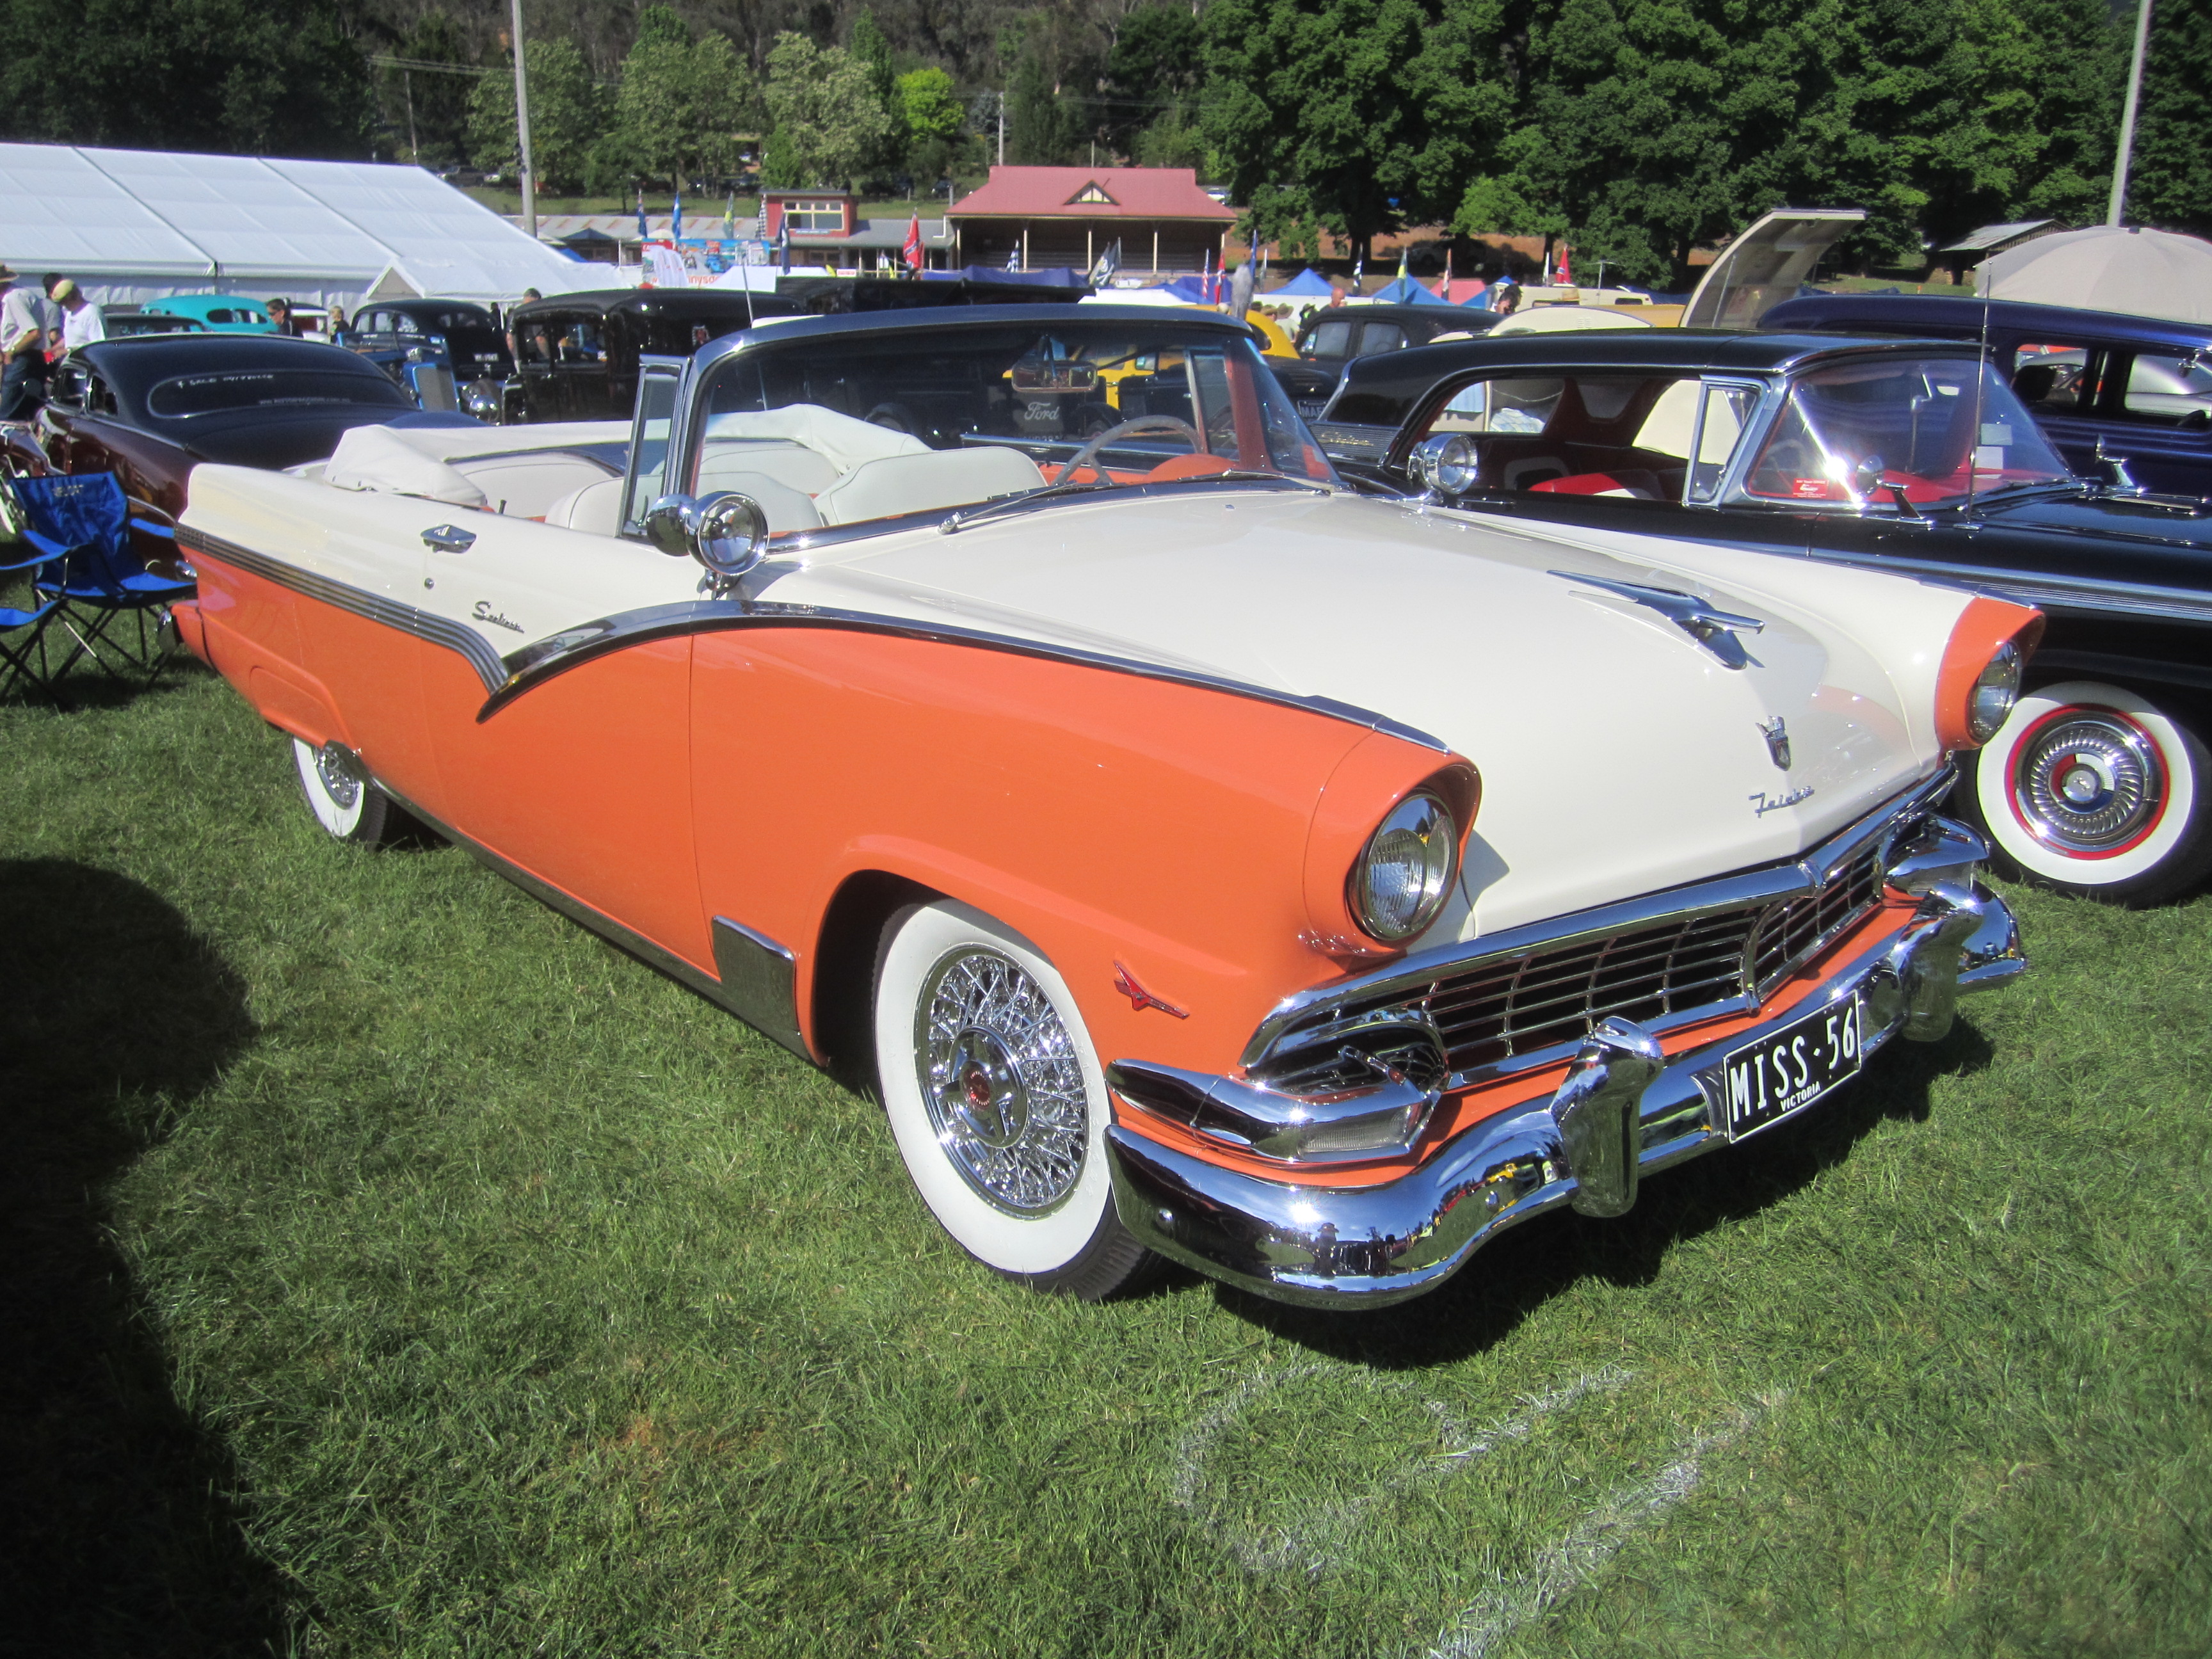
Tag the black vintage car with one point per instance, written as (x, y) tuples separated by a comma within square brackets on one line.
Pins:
[(1907, 456), (575, 355), (2105, 387), (448, 353), (1341, 334)]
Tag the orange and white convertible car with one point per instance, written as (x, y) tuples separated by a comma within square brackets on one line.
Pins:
[(1207, 861)]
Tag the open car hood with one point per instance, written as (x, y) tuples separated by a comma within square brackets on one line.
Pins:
[(1764, 265)]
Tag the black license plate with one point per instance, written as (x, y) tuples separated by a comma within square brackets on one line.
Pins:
[(1310, 407), (1786, 1070)]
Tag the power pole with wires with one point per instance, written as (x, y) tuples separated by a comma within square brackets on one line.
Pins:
[(2128, 115), (1002, 122)]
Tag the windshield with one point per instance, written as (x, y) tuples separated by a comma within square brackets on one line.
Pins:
[(1934, 428), (226, 391), (850, 428)]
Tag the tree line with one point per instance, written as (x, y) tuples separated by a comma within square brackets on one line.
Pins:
[(1637, 130)]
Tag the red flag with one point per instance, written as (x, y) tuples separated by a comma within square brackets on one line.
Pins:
[(913, 249), (1565, 278)]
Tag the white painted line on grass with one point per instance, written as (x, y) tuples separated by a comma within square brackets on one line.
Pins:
[(1314, 1544), (1587, 1548)]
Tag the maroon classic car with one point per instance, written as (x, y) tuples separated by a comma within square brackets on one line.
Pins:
[(150, 407)]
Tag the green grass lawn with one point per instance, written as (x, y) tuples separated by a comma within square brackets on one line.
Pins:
[(392, 1268)]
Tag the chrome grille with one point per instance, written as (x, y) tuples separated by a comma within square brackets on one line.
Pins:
[(1495, 1011)]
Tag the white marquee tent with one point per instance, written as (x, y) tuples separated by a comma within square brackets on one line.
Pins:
[(137, 224)]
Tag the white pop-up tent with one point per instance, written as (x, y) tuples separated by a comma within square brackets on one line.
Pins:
[(137, 224)]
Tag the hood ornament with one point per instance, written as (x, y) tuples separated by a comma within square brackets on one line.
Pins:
[(1777, 741), (1713, 630)]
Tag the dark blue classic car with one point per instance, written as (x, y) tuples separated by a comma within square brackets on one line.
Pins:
[(1905, 455), (2105, 388)]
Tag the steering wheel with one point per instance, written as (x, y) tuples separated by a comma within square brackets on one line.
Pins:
[(1089, 454)]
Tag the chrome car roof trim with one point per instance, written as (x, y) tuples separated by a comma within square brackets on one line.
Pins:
[(423, 625), (1804, 874), (534, 664)]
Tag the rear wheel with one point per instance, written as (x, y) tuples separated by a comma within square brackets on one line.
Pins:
[(997, 1102), (2092, 789), (344, 802)]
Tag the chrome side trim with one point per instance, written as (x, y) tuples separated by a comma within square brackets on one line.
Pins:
[(423, 625), (1805, 874), (532, 665), (1371, 1246), (759, 982)]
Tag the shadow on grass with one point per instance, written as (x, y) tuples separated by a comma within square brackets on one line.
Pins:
[(1524, 1269), (89, 688), (117, 1537)]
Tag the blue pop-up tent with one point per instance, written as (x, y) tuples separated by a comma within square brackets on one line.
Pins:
[(1057, 276), (1308, 284), (1406, 292)]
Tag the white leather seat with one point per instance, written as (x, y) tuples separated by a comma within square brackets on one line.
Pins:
[(793, 465), (596, 509), (526, 486), (916, 483)]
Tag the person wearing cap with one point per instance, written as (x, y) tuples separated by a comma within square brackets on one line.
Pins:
[(82, 321), (26, 319)]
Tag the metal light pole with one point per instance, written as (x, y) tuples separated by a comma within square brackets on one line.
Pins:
[(2128, 114), (522, 131)]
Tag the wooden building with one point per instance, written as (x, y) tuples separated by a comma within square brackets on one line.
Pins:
[(1036, 217)]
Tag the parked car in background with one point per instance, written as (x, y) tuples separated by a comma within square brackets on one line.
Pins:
[(448, 353), (151, 408), (221, 313), (1894, 455), (2106, 389), (122, 321), (1337, 334), (1205, 860), (576, 354)]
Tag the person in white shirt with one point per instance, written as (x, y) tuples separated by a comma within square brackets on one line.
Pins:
[(26, 318), (82, 321)]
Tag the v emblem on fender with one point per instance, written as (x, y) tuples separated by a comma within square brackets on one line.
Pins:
[(1140, 998)]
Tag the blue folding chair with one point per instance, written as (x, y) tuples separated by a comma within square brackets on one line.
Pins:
[(82, 522), (18, 648)]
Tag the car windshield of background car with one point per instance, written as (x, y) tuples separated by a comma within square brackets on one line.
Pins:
[(1852, 432), (1044, 392), (1600, 434), (1332, 338), (225, 393)]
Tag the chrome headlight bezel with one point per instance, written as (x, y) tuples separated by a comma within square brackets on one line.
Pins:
[(1995, 692), (1429, 865)]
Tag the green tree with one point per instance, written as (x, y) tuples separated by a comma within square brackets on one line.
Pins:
[(827, 117), (1152, 74), (870, 49), (425, 114), (565, 115), (1363, 115), (935, 121), (681, 107)]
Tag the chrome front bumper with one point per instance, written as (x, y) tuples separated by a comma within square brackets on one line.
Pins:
[(1623, 1111)]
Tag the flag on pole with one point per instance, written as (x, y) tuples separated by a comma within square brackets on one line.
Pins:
[(783, 243), (1108, 262), (1563, 276), (729, 218), (643, 235), (1014, 257), (912, 251), (1402, 264), (675, 220)]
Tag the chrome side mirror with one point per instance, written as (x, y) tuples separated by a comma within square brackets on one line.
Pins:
[(1866, 476), (1443, 466), (725, 531)]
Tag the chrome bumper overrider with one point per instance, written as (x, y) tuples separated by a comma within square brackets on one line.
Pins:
[(1625, 1110)]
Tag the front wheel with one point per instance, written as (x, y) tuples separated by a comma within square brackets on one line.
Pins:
[(2091, 789), (344, 802), (997, 1102)]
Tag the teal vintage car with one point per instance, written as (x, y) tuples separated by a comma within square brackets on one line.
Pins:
[(223, 313)]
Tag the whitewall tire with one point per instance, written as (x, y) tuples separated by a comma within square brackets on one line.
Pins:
[(2091, 789), (997, 1101), (344, 802)]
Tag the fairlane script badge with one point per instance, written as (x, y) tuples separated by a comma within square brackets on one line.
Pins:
[(1762, 803), (484, 613)]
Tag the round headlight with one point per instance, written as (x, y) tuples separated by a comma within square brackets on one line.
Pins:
[(1401, 880), (1993, 694), (1445, 465)]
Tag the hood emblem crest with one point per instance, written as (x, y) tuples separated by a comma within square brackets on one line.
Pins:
[(1716, 630), (1140, 998), (1776, 734)]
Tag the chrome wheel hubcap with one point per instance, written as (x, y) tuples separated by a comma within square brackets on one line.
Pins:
[(340, 782), (2088, 783), (1001, 1081)]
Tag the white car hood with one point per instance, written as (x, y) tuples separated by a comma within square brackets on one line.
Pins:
[(1618, 755)]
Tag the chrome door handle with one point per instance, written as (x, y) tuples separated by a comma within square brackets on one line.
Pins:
[(448, 538)]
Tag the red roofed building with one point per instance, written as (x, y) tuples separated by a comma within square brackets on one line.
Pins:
[(1044, 217)]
